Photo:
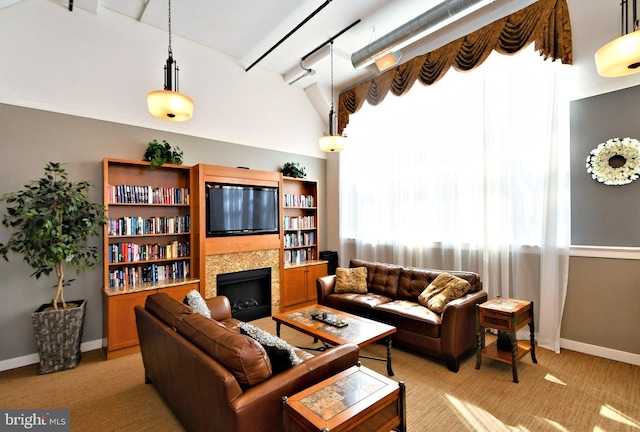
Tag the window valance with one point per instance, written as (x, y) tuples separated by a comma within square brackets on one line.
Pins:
[(545, 22)]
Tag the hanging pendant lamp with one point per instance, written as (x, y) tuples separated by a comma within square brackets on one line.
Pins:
[(169, 104), (332, 142), (621, 56)]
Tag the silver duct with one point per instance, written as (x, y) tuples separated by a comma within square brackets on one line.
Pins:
[(415, 29)]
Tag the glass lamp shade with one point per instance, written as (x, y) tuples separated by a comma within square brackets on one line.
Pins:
[(332, 143), (619, 57), (170, 105)]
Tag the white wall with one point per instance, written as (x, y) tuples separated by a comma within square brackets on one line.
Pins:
[(102, 66)]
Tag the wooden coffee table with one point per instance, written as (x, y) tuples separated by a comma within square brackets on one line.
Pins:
[(355, 399), (360, 331)]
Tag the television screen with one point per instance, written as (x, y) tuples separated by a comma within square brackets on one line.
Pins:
[(234, 209)]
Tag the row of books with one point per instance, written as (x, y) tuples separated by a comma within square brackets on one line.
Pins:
[(293, 200), (298, 256), (299, 222), (132, 194), (131, 252), (134, 275), (299, 239), (136, 225)]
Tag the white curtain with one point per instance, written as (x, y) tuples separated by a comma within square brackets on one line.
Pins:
[(471, 173)]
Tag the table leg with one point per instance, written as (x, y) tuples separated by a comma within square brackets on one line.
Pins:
[(389, 370), (532, 337), (479, 339), (278, 329), (514, 349)]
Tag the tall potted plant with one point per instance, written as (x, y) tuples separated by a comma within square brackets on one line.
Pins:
[(50, 221)]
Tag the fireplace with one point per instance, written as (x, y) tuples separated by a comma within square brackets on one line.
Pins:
[(248, 291)]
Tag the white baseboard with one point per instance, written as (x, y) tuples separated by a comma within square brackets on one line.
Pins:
[(599, 351), (35, 358)]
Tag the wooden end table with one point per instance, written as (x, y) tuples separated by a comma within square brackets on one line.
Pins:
[(359, 330), (355, 399), (507, 315)]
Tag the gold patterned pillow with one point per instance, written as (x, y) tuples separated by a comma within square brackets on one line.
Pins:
[(351, 280), (444, 288)]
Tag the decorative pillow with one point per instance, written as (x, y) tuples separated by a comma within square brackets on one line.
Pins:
[(351, 280), (281, 354), (444, 288), (195, 300)]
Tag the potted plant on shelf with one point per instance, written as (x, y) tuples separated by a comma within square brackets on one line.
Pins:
[(162, 153), (51, 220)]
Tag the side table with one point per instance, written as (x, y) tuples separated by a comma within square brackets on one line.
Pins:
[(508, 315), (354, 399)]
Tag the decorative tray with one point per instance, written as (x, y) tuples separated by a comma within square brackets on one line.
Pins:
[(330, 319)]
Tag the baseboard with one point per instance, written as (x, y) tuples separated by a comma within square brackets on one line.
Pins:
[(598, 351), (35, 358)]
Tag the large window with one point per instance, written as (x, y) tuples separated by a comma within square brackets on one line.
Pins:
[(469, 173)]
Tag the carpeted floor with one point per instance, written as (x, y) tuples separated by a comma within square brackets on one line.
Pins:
[(565, 392)]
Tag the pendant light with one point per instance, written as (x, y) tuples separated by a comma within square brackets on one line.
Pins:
[(169, 104), (621, 56), (332, 142)]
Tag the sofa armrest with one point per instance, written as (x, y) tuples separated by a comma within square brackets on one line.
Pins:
[(220, 308), (266, 397), (458, 331), (324, 287)]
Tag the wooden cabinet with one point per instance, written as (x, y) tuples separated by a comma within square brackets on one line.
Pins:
[(300, 263), (147, 243), (299, 287)]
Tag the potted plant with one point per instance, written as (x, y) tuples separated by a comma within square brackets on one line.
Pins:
[(162, 153), (51, 220), (293, 169)]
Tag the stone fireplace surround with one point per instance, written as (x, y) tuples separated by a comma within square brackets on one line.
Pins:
[(240, 261)]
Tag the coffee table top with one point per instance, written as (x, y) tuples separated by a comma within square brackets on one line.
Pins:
[(359, 330)]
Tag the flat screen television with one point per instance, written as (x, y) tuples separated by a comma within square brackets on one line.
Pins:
[(237, 209)]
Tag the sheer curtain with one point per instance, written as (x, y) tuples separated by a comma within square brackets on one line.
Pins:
[(471, 173)]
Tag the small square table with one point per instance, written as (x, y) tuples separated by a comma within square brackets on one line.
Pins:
[(507, 315)]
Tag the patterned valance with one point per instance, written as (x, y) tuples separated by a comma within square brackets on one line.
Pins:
[(545, 22)]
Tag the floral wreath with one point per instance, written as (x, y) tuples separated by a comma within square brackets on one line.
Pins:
[(615, 162)]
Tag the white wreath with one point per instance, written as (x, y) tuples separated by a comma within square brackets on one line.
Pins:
[(600, 158)]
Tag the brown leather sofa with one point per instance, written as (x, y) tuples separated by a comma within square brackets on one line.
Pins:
[(392, 298), (185, 354)]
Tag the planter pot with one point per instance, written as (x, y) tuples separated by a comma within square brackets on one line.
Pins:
[(58, 336)]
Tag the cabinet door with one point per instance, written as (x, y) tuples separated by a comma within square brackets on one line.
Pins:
[(295, 286), (315, 271), (122, 332)]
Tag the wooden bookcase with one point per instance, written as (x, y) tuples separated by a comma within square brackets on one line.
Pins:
[(300, 255), (147, 243)]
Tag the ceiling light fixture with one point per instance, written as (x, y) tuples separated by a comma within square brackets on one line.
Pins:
[(332, 142), (388, 60), (169, 104), (621, 56), (430, 21)]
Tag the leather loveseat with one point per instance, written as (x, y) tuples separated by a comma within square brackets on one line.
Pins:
[(392, 298), (213, 377)]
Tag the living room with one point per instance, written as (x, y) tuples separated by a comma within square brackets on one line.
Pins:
[(67, 97)]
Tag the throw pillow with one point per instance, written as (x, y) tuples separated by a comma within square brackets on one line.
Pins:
[(195, 300), (281, 354), (444, 288), (351, 280)]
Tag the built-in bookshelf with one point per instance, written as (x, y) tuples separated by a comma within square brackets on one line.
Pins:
[(300, 250), (147, 247)]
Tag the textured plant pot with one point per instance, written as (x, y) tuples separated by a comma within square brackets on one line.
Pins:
[(58, 336)]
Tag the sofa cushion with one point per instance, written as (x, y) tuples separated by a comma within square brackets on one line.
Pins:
[(442, 290), (245, 358), (281, 354), (351, 280), (197, 303), (381, 278), (413, 280), (167, 309), (411, 316)]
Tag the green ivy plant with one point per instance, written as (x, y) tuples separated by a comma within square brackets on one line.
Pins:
[(162, 153), (293, 169), (52, 219)]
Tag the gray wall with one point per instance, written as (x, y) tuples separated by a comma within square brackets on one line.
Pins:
[(601, 215), (30, 138)]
